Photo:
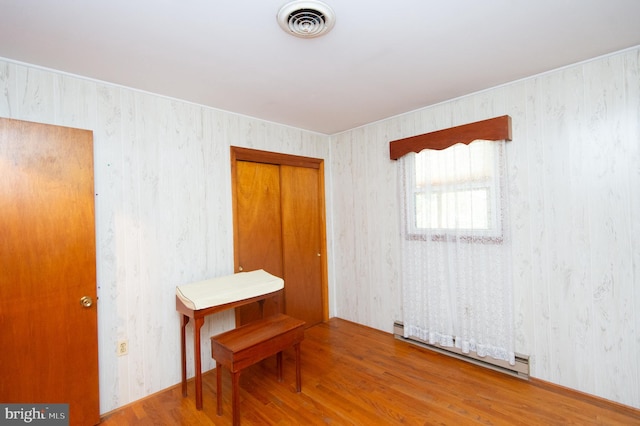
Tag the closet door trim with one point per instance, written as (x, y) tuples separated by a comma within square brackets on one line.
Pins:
[(257, 156)]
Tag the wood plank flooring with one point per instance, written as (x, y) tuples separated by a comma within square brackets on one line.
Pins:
[(354, 375)]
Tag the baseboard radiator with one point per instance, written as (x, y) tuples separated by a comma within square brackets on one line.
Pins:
[(520, 369)]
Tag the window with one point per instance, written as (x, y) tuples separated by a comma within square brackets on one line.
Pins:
[(457, 287), (455, 192)]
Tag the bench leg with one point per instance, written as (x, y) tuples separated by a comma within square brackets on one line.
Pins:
[(298, 372), (235, 397), (219, 387), (279, 365)]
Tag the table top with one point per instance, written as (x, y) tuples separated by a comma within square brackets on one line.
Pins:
[(228, 289)]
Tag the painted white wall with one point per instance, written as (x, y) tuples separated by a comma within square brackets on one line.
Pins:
[(163, 210), (574, 170)]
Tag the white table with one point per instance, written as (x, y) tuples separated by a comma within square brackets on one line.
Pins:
[(199, 299)]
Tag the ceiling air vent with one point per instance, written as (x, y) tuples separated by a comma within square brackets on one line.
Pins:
[(306, 19)]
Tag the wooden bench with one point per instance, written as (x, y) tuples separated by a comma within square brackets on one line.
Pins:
[(244, 346)]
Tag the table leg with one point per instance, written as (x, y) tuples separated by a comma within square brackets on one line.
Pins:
[(261, 306), (183, 352), (219, 387), (298, 372), (198, 362)]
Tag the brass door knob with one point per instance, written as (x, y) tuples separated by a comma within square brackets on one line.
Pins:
[(86, 301)]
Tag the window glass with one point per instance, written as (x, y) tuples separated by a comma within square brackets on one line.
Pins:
[(456, 189)]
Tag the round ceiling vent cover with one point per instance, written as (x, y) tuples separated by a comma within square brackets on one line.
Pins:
[(306, 19)]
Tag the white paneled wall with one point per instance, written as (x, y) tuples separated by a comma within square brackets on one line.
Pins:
[(574, 170), (163, 210)]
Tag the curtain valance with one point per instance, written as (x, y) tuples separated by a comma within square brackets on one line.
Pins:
[(493, 129)]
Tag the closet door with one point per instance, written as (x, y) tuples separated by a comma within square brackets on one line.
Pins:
[(279, 227), (258, 242), (302, 252)]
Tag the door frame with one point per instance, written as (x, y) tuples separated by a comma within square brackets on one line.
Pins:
[(280, 159)]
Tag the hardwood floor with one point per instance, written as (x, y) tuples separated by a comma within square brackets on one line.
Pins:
[(354, 375)]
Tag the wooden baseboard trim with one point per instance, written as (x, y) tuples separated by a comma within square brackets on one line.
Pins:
[(586, 397), (104, 416)]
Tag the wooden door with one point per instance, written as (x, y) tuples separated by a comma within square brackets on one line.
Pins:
[(260, 236), (47, 265), (302, 243), (279, 226)]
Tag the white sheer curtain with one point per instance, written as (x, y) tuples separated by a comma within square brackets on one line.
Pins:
[(456, 254)]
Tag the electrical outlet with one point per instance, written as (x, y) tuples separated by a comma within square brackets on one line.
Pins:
[(123, 347)]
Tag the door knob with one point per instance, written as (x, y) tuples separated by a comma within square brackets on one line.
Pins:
[(86, 301)]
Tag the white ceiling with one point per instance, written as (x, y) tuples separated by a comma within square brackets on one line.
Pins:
[(382, 58)]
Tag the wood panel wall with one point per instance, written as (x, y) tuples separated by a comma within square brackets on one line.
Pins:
[(163, 210), (164, 216), (575, 202)]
